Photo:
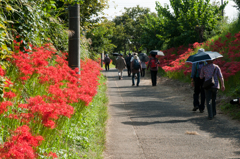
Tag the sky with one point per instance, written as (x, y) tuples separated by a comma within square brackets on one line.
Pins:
[(116, 7)]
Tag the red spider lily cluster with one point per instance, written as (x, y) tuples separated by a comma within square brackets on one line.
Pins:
[(174, 59), (2, 72), (21, 145), (64, 87)]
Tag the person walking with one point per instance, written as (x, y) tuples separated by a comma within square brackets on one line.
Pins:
[(208, 71), (197, 83), (144, 66), (136, 68), (107, 62), (153, 64), (120, 65), (127, 59)]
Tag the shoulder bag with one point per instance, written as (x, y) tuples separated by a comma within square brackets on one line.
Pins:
[(210, 82)]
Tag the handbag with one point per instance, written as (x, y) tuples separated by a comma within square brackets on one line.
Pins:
[(210, 82)]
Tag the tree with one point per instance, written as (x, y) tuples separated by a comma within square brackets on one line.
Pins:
[(89, 10), (130, 21), (151, 36), (100, 36), (189, 20), (32, 21), (237, 6), (119, 38), (133, 26)]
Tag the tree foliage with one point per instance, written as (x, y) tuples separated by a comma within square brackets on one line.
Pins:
[(41, 21), (100, 36), (237, 5), (89, 11), (131, 22), (189, 20), (151, 37), (32, 21)]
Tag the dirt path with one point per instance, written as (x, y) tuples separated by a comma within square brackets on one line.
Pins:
[(157, 123)]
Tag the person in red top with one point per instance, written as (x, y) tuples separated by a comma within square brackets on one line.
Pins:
[(207, 72), (153, 64)]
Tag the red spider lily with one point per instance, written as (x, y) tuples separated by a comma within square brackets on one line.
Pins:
[(21, 145), (229, 35), (4, 105), (2, 72), (26, 117), (174, 57), (53, 155), (12, 116), (64, 86), (9, 95), (48, 111)]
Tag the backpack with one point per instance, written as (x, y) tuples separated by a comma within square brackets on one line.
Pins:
[(136, 64), (107, 60), (153, 63)]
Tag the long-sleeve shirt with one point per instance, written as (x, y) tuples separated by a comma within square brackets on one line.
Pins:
[(207, 73), (195, 67)]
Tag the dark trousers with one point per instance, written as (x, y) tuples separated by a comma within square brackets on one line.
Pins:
[(198, 90), (107, 66), (138, 78), (143, 72), (211, 95), (129, 70), (154, 77)]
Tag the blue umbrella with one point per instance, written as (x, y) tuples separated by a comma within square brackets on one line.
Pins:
[(203, 56)]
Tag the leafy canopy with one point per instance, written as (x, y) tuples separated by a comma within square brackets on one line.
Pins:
[(189, 20)]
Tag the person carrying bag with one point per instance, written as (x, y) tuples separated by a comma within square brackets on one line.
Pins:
[(153, 65), (210, 82), (209, 72)]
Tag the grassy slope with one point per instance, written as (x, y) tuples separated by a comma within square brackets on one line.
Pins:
[(233, 83), (95, 121), (85, 138)]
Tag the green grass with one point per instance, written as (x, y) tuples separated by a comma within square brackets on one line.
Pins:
[(91, 127), (110, 66), (83, 136), (232, 111)]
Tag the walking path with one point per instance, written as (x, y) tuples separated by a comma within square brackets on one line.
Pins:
[(148, 122)]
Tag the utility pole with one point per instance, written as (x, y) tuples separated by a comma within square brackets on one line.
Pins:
[(102, 58), (222, 10), (74, 39)]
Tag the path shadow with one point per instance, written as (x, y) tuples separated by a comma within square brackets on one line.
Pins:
[(164, 104)]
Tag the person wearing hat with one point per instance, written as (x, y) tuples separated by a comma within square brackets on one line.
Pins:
[(197, 83), (120, 65), (207, 72), (127, 59), (132, 58)]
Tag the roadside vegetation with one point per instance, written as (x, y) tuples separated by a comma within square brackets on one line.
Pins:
[(173, 64), (48, 110), (180, 33)]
